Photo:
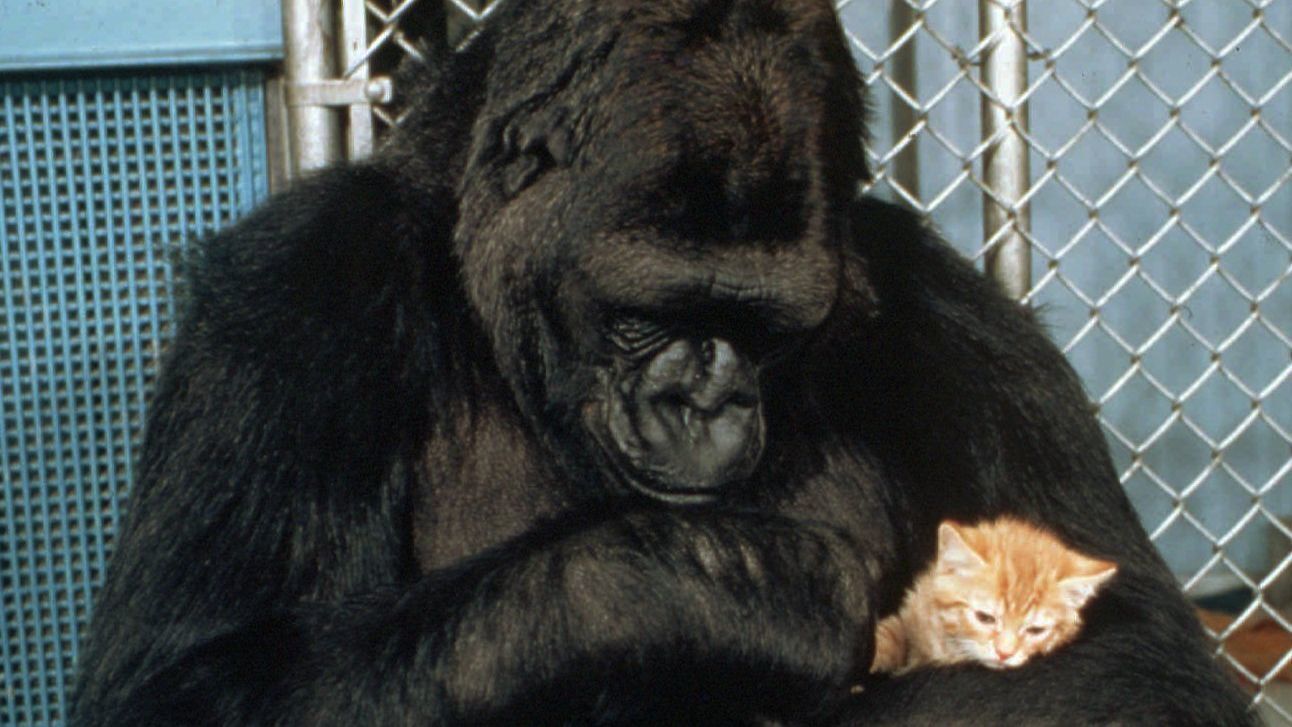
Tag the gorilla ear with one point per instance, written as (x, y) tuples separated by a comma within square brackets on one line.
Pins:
[(533, 144)]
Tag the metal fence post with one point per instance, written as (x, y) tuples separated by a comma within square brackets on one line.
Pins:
[(354, 46), (309, 37), (1006, 169), (905, 121)]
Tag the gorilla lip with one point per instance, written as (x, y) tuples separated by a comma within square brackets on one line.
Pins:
[(657, 489)]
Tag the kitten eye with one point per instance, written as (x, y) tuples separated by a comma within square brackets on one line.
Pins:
[(1035, 630), (984, 618)]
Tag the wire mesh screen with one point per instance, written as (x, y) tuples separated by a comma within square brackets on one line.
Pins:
[(101, 178), (1156, 212)]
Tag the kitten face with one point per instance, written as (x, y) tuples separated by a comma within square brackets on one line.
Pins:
[(1005, 592), (982, 627)]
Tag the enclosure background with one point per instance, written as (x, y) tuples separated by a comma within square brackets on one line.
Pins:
[(1156, 202)]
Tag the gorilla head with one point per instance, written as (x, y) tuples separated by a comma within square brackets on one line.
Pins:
[(653, 220)]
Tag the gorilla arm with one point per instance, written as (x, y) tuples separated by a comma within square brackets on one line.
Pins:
[(266, 574), (648, 618), (961, 396)]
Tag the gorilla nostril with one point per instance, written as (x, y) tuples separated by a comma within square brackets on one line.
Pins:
[(721, 357), (707, 351)]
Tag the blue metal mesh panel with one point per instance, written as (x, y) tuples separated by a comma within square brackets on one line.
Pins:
[(102, 178)]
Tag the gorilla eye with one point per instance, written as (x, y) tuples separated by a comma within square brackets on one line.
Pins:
[(632, 334), (984, 618)]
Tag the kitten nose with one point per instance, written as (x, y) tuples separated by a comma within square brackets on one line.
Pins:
[(1004, 653)]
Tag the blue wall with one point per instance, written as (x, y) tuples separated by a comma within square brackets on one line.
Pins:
[(64, 34)]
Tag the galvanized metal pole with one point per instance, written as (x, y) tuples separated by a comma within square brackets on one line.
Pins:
[(1006, 167), (354, 32), (309, 34), (905, 170)]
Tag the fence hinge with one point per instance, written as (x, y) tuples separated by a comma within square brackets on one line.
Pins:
[(345, 92)]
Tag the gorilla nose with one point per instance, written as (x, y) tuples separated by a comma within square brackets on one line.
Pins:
[(698, 414), (717, 377)]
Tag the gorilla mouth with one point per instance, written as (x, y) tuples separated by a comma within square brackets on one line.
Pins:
[(687, 424)]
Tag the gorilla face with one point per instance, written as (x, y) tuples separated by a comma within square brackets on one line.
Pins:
[(689, 307), (677, 411), (640, 265)]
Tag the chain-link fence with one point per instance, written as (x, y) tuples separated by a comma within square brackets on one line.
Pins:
[(1124, 166), (1157, 162), (1157, 170)]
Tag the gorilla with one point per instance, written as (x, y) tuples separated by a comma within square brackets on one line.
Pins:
[(602, 395)]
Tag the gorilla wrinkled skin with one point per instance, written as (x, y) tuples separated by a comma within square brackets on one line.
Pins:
[(601, 395)]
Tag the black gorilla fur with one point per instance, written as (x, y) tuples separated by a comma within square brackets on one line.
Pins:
[(600, 396)]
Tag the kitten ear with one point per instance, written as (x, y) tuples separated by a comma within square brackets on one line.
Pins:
[(954, 554), (1077, 590)]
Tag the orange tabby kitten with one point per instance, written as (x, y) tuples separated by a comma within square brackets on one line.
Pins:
[(999, 593)]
